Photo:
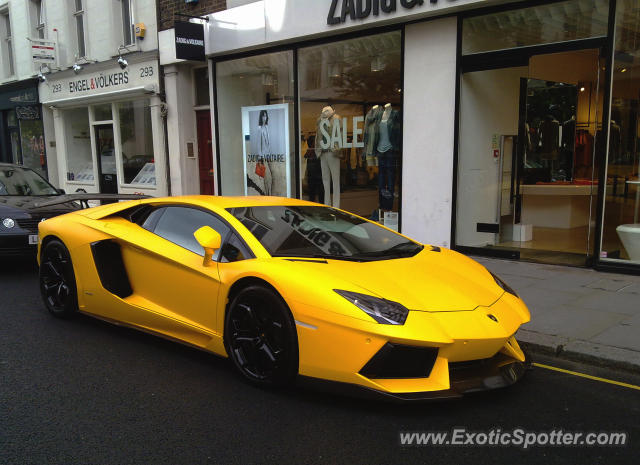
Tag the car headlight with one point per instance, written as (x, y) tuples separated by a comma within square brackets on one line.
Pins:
[(386, 312), (504, 285), (8, 223)]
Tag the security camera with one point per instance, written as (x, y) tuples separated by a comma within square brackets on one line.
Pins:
[(76, 68), (42, 77), (122, 62)]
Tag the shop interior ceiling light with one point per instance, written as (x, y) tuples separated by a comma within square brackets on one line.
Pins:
[(335, 70), (377, 64)]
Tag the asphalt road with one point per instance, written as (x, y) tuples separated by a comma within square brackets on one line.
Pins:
[(84, 391)]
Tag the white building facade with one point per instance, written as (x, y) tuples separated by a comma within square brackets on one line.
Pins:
[(102, 110), (22, 24)]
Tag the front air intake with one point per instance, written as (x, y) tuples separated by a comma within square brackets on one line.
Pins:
[(397, 361)]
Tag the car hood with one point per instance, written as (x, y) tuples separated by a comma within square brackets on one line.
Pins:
[(18, 204), (433, 281)]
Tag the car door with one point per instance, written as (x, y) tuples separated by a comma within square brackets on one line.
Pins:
[(177, 293)]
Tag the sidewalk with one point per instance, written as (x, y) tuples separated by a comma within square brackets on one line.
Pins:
[(577, 313)]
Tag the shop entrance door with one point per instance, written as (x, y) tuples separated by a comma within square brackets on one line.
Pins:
[(105, 150), (530, 138), (205, 152), (554, 192)]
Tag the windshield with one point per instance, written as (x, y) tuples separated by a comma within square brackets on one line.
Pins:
[(15, 180), (322, 232)]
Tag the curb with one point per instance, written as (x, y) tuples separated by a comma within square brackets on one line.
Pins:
[(579, 351)]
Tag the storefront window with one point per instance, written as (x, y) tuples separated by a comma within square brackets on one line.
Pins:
[(255, 122), (102, 112), (201, 78), (137, 142), (621, 228), (541, 24), (32, 138), (78, 146), (351, 125)]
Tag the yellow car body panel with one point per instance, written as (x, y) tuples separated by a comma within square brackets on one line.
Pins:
[(455, 304)]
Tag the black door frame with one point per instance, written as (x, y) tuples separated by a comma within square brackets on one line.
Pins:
[(520, 57)]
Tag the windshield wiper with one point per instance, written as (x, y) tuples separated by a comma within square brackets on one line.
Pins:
[(350, 258)]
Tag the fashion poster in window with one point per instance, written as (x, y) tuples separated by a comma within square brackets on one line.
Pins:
[(266, 150)]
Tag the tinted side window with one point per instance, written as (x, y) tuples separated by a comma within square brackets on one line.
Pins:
[(177, 225), (234, 250)]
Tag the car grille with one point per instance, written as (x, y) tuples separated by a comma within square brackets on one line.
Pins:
[(30, 224)]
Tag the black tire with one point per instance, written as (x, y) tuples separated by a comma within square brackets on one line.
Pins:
[(57, 280), (260, 337)]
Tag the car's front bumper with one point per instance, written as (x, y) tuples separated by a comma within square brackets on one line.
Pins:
[(440, 354), (465, 378), (16, 245)]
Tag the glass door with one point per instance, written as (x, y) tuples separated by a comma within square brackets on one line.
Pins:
[(527, 169), (105, 151)]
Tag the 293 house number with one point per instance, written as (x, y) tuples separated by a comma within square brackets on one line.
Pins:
[(146, 71), (56, 88)]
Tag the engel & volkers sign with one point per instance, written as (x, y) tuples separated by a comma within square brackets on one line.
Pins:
[(360, 9)]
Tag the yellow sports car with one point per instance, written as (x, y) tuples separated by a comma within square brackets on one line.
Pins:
[(288, 289)]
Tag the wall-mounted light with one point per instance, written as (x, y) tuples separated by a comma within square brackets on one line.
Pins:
[(76, 68), (42, 77), (122, 62)]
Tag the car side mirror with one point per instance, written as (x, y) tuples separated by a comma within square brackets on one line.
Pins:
[(61, 191), (210, 241)]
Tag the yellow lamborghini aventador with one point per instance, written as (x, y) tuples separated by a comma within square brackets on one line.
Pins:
[(287, 288)]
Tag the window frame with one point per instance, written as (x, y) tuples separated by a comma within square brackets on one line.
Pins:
[(7, 45), (79, 16), (38, 19), (130, 20)]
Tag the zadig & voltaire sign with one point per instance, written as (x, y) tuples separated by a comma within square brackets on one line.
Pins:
[(361, 9)]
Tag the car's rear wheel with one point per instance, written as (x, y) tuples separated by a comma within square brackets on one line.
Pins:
[(260, 337), (57, 280)]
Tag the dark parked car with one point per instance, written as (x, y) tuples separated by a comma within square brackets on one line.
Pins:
[(23, 198)]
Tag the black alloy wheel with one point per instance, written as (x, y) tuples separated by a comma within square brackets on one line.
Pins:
[(260, 337), (57, 280)]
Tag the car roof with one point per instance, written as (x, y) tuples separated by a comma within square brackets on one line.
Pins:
[(212, 202), (221, 201)]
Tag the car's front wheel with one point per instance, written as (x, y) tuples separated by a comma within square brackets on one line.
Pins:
[(260, 337), (57, 280)]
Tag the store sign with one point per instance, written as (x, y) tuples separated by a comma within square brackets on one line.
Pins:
[(335, 134), (43, 51), (267, 170), (90, 84), (14, 98), (28, 112), (189, 41), (340, 10)]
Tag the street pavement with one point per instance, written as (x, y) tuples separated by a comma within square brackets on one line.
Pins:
[(87, 392), (577, 313)]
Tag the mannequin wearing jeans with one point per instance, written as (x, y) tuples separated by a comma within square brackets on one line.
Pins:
[(386, 159), (329, 156)]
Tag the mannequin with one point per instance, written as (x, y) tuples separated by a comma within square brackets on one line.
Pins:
[(329, 155), (387, 145), (370, 137)]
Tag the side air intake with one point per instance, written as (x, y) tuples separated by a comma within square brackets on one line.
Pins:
[(113, 275)]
